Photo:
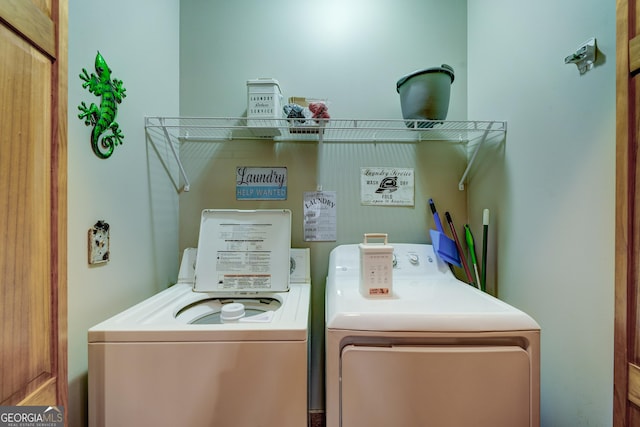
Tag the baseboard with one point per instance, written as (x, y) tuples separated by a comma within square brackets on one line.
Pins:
[(316, 418)]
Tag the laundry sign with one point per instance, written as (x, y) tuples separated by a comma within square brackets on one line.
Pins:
[(261, 183), (320, 216), (387, 186)]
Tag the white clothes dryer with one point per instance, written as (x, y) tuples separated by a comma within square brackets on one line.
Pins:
[(233, 354), (435, 352)]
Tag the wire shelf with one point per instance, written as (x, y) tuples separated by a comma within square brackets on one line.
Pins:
[(324, 130), (177, 129)]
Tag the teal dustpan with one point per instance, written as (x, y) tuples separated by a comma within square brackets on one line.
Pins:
[(443, 245)]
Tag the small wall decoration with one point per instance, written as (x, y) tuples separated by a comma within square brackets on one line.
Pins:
[(99, 243), (106, 133)]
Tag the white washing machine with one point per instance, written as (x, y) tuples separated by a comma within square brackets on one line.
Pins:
[(434, 352), (226, 346)]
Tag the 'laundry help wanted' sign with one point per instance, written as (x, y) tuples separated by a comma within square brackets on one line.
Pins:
[(261, 183)]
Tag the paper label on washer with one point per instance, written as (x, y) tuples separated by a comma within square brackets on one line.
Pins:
[(243, 250), (244, 261), (243, 269)]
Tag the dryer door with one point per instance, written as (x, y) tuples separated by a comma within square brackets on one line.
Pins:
[(444, 386)]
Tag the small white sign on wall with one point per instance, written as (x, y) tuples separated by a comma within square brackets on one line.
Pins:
[(387, 186), (320, 216)]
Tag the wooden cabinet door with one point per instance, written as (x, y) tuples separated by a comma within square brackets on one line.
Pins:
[(33, 108), (626, 403)]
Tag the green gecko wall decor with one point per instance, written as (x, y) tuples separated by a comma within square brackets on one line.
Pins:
[(102, 118)]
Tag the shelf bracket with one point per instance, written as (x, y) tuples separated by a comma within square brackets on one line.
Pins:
[(320, 178), (187, 185), (473, 157)]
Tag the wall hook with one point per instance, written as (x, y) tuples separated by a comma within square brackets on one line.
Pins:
[(584, 57)]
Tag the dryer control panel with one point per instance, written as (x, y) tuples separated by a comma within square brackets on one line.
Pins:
[(410, 261), (413, 259)]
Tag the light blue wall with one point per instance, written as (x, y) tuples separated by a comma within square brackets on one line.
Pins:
[(551, 187), (130, 190), (349, 52)]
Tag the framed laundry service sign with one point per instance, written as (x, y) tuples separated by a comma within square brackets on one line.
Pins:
[(261, 183), (387, 186)]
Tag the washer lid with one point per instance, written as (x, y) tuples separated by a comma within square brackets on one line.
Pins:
[(243, 251)]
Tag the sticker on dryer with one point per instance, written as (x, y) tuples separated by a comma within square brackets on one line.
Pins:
[(387, 187), (261, 183)]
